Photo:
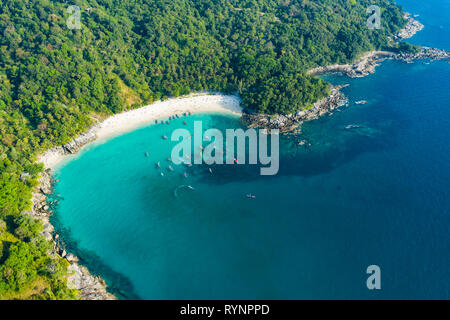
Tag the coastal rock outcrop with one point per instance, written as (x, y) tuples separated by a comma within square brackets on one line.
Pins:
[(367, 63), (293, 122), (72, 147), (81, 140), (90, 287), (424, 53), (361, 68), (412, 27)]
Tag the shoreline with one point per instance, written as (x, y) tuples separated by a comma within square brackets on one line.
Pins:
[(367, 63), (127, 121), (90, 287), (293, 122), (93, 287), (361, 67)]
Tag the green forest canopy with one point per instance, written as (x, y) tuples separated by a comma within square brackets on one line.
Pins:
[(54, 80)]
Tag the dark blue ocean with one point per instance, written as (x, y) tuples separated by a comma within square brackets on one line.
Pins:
[(378, 194)]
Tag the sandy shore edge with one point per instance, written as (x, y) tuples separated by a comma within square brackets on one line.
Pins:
[(93, 287), (130, 120)]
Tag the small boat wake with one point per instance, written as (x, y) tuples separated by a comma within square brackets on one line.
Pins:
[(352, 126), (175, 192)]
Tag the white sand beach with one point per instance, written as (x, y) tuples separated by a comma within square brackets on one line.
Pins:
[(134, 119)]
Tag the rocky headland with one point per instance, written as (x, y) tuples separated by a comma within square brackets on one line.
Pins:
[(362, 67), (292, 123), (368, 62), (411, 28), (432, 54)]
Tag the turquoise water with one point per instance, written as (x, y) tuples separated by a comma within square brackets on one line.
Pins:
[(378, 194)]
